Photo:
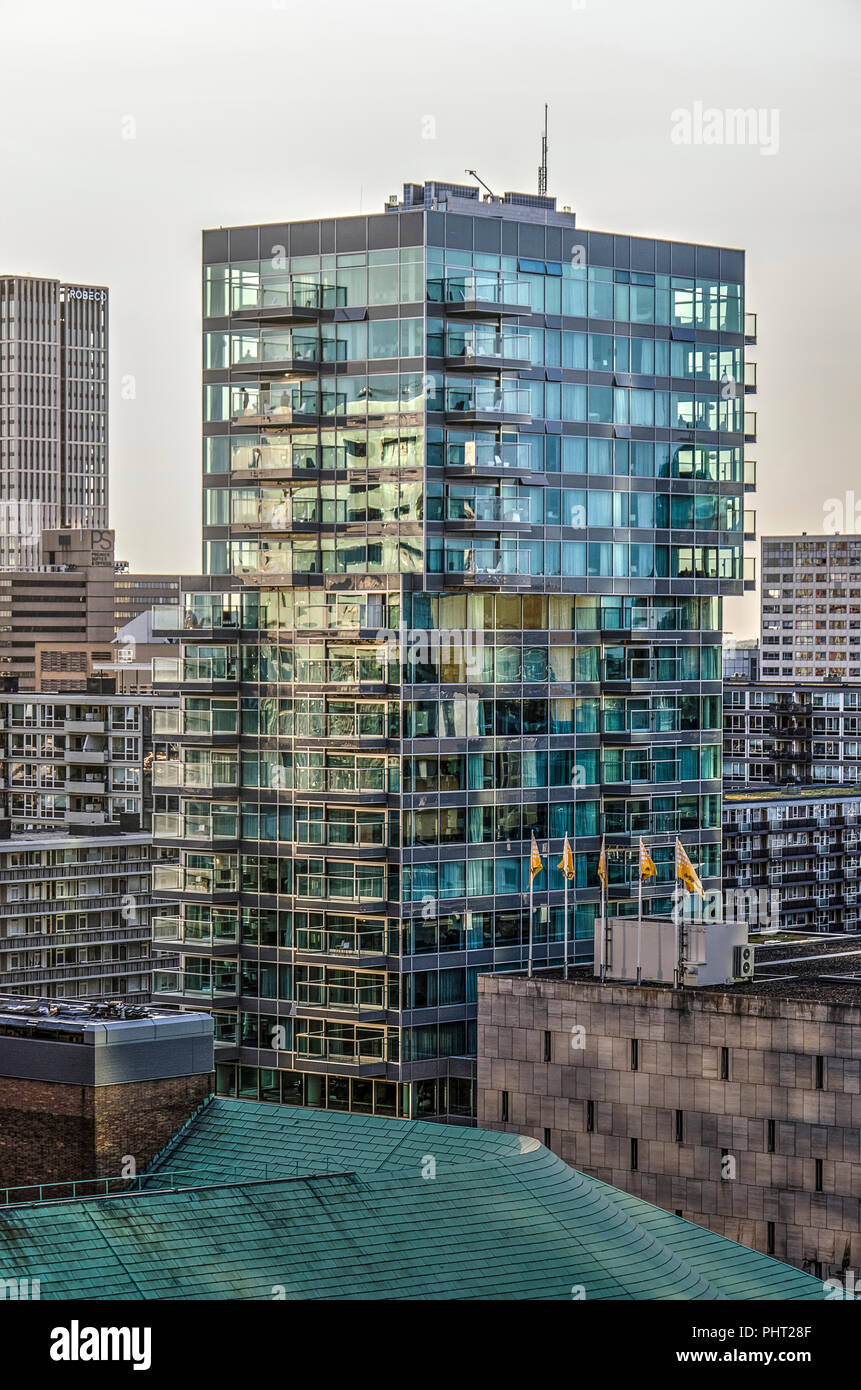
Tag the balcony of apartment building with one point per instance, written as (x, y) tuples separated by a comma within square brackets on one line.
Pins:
[(486, 402), (215, 775), (750, 475), (358, 941), (215, 669), (215, 884), (480, 293), (287, 406), (203, 823), (205, 981), (485, 347), (283, 298), (490, 562), (218, 934), (279, 457), (299, 352), (750, 328), (499, 458), (472, 507)]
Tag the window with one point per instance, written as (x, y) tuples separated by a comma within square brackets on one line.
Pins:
[(634, 1155), (547, 1138), (820, 1074), (590, 1117), (504, 1106), (771, 1136), (635, 1054), (548, 1042), (769, 1238), (819, 1187), (680, 1126), (724, 1064)]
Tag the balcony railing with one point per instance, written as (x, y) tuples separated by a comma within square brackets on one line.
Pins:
[(507, 510), (750, 424), (490, 401), (467, 345), (166, 722), (474, 454), (482, 291), (481, 563), (287, 294), (750, 327), (344, 944)]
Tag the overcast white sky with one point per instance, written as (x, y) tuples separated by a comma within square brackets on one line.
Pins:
[(267, 110)]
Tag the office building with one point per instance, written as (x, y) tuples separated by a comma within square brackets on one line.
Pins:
[(474, 486), (53, 412), (811, 608), (734, 1106)]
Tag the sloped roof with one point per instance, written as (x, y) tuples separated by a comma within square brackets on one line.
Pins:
[(259, 1200)]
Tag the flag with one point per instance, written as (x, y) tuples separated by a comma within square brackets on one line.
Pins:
[(566, 863), (686, 871), (602, 864), (535, 864), (647, 863)]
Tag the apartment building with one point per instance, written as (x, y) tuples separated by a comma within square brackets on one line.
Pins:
[(53, 412), (75, 916), (72, 760), (779, 734), (811, 608), (803, 847), (474, 484)]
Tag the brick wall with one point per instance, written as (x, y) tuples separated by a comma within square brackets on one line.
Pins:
[(772, 1049), (51, 1132)]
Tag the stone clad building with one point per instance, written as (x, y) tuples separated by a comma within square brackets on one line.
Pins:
[(737, 1107)]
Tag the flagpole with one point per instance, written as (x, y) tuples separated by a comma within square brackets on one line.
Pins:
[(639, 914), (565, 908), (603, 916), (676, 903), (529, 966)]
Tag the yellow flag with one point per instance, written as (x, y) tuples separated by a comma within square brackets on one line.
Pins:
[(647, 863), (535, 864), (566, 863), (686, 871), (602, 864)]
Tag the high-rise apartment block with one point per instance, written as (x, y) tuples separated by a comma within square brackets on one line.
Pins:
[(53, 412), (811, 608), (474, 486)]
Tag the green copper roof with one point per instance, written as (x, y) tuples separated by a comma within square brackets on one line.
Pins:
[(299, 1203)]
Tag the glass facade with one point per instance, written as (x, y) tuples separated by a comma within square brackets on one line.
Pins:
[(473, 491)]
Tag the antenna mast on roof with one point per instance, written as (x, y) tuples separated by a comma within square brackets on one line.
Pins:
[(542, 168)]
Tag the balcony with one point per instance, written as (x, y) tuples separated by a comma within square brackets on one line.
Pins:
[(367, 946), (263, 563), (750, 328), (750, 526), (87, 757), (497, 459), (178, 984), (284, 299), (84, 786), (750, 475), (750, 425), (273, 459), (750, 378), (166, 722), (482, 346), (204, 671), (176, 932), (287, 354), (478, 293), (749, 572), (478, 403), (189, 776), (284, 407), (96, 725), (508, 511), (488, 566)]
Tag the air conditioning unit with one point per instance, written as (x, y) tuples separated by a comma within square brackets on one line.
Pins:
[(742, 962)]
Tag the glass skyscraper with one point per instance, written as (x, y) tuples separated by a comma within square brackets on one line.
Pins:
[(473, 489)]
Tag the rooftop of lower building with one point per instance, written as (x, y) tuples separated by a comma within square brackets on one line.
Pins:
[(255, 1201)]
